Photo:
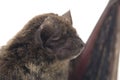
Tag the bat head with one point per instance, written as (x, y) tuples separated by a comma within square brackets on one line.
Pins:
[(45, 45), (58, 37), (46, 36)]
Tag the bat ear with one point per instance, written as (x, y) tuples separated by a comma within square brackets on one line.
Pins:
[(67, 15), (44, 32), (38, 39)]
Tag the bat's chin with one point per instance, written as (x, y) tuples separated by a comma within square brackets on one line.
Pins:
[(78, 54)]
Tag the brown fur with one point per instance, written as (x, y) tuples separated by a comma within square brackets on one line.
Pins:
[(41, 50)]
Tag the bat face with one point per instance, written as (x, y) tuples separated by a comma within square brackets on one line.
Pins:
[(41, 50), (57, 35)]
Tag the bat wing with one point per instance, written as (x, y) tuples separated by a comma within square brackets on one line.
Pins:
[(99, 59)]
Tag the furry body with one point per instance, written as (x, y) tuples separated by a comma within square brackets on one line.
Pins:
[(42, 50)]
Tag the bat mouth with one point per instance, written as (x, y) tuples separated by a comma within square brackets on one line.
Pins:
[(78, 53)]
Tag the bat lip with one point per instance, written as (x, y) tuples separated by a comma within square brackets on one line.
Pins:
[(79, 53)]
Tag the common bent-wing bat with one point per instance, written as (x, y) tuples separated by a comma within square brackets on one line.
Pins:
[(42, 50)]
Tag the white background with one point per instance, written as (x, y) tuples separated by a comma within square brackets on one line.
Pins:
[(14, 14)]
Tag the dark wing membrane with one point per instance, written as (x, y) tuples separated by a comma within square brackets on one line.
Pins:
[(99, 60)]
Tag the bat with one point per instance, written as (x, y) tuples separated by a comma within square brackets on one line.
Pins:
[(42, 50)]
